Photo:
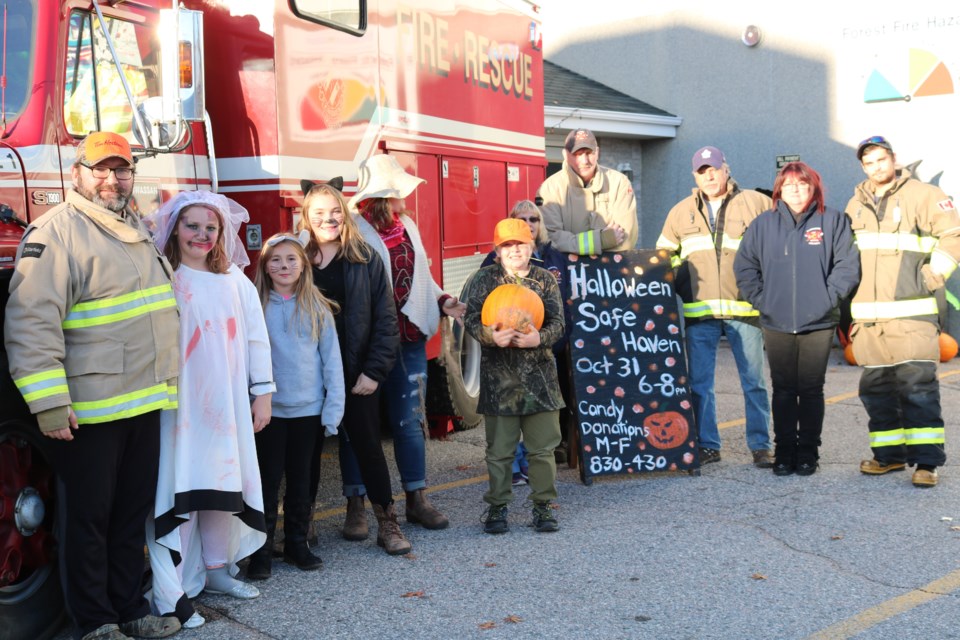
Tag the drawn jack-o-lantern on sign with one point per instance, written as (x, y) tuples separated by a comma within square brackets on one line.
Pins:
[(668, 429)]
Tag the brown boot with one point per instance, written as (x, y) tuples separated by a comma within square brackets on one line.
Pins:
[(389, 535), (421, 511), (355, 526)]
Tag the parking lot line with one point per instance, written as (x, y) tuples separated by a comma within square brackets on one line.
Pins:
[(895, 606), (463, 482), (886, 610), (831, 400)]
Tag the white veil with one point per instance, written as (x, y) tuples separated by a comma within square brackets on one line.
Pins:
[(163, 221)]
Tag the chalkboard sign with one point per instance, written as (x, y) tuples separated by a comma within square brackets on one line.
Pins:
[(631, 394)]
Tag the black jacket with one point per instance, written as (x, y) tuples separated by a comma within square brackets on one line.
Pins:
[(796, 272), (368, 331)]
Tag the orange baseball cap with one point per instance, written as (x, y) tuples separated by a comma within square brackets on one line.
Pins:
[(100, 145), (511, 229)]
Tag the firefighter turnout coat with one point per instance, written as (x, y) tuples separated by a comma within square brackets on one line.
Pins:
[(704, 259), (92, 321), (576, 214), (909, 245)]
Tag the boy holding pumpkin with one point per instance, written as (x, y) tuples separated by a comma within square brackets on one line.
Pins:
[(519, 389)]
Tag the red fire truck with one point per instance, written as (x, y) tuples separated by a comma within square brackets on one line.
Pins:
[(248, 97)]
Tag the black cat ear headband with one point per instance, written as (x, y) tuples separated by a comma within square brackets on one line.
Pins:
[(336, 183)]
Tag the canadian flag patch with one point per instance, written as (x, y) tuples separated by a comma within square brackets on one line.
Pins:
[(946, 205)]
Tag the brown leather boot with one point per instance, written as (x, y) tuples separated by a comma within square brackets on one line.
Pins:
[(389, 535), (421, 511), (355, 526)]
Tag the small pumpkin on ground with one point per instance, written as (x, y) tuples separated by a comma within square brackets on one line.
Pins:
[(948, 347), (848, 354)]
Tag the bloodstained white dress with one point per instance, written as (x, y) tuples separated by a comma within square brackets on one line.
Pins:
[(208, 457)]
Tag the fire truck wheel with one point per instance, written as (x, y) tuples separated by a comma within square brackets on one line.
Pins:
[(454, 378), (31, 599)]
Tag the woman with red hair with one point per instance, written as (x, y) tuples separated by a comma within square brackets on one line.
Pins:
[(795, 264)]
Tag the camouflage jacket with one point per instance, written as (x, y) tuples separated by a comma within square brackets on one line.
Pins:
[(513, 381)]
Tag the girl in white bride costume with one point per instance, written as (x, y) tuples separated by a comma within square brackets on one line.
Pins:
[(209, 508)]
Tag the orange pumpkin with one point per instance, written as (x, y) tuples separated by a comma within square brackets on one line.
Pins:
[(513, 306), (848, 354), (948, 347), (667, 429)]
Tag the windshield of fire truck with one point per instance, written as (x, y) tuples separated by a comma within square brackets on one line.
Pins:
[(18, 34), (94, 98)]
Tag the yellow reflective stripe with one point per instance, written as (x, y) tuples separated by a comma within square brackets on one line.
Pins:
[(696, 243), (702, 308), (675, 261), (871, 240), (99, 312), (886, 438), (43, 384), (172, 397), (126, 405), (942, 263), (893, 309), (663, 242), (127, 297), (730, 243), (586, 243), (925, 435)]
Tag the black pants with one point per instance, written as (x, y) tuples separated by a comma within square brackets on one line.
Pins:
[(287, 446), (903, 402), (361, 424), (107, 484), (798, 368)]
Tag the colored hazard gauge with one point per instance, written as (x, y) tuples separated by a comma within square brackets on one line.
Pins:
[(920, 74)]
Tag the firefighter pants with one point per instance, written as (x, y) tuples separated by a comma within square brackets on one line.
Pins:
[(107, 484), (903, 404)]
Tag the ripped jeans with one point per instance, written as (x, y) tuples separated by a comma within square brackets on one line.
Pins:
[(404, 391)]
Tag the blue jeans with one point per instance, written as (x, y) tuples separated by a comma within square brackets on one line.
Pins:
[(746, 341), (404, 391), (520, 459)]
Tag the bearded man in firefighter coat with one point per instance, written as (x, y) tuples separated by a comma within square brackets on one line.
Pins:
[(91, 333)]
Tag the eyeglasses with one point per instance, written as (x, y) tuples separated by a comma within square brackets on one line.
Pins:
[(102, 173), (530, 220), (799, 186)]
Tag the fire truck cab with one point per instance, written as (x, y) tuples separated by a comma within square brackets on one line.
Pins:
[(247, 98)]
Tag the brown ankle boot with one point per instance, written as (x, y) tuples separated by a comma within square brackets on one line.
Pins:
[(355, 526), (389, 535), (421, 511)]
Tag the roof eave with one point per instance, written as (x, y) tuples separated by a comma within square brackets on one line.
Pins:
[(560, 120)]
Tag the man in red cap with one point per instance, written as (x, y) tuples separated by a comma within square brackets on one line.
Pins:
[(587, 208), (91, 335), (703, 232)]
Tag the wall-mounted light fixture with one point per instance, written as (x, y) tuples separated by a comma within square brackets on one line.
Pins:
[(751, 35), (626, 169)]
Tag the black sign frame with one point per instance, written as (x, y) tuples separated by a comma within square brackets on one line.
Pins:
[(631, 395)]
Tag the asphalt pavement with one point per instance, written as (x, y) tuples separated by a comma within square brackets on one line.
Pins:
[(735, 552)]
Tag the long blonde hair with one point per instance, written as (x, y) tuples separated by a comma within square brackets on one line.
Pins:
[(310, 303), (353, 247)]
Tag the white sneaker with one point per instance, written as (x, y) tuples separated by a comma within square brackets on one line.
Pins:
[(196, 620)]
